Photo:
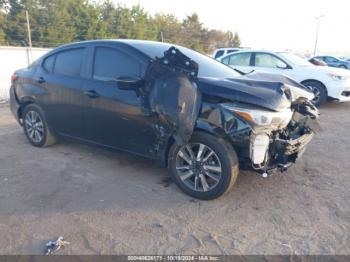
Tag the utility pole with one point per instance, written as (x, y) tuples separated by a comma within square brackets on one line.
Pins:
[(161, 36), (317, 32), (29, 39)]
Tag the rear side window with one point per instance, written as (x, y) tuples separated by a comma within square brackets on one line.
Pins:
[(48, 63), (111, 63), (219, 53), (69, 62)]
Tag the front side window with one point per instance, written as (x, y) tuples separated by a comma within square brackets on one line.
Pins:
[(242, 59), (68, 63), (267, 60), (110, 64)]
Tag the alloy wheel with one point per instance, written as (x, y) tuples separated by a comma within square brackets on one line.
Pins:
[(34, 126), (316, 93), (198, 167)]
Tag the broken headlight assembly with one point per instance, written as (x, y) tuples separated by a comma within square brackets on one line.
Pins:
[(261, 118), (263, 122)]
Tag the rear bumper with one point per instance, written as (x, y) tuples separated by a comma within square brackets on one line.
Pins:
[(14, 105)]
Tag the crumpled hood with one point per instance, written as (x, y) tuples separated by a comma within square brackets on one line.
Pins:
[(265, 90)]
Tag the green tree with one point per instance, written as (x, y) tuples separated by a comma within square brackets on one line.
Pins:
[(14, 24), (234, 40), (2, 28), (71, 20), (108, 17), (54, 22), (168, 25), (214, 39), (192, 33), (133, 23)]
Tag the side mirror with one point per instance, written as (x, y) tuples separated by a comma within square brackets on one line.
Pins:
[(282, 66), (129, 82)]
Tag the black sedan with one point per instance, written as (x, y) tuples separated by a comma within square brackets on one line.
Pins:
[(189, 112)]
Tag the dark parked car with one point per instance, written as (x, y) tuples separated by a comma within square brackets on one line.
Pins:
[(334, 61), (191, 113)]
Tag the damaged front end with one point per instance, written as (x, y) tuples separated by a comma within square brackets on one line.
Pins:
[(268, 120), (275, 139), (264, 140), (278, 149)]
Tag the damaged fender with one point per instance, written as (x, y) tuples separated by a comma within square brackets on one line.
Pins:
[(172, 93)]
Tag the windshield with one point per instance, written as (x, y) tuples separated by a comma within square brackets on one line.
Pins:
[(208, 67), (294, 59)]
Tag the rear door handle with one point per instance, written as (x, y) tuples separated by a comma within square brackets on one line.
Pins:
[(41, 80), (91, 94)]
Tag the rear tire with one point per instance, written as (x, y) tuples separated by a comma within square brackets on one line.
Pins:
[(211, 176), (36, 128), (319, 91), (342, 66)]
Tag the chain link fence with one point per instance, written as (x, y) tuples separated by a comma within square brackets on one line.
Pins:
[(11, 59)]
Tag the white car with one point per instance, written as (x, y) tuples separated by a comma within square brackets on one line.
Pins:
[(224, 51), (324, 82)]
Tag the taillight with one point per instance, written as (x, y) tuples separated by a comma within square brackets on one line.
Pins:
[(14, 77)]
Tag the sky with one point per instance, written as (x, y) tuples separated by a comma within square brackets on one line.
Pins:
[(268, 24)]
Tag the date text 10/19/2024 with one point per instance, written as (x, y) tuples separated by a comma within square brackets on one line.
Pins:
[(173, 258)]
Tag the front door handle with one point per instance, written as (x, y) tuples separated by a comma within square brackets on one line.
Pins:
[(41, 80), (91, 94)]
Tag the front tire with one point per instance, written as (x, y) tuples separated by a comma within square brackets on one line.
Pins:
[(319, 91), (36, 128), (205, 168), (343, 67)]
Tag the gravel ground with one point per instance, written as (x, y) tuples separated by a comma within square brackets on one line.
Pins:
[(107, 202)]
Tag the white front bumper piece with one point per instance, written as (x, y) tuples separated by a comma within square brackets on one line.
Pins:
[(259, 145)]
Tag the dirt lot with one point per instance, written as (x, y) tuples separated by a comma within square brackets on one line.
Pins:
[(107, 202)]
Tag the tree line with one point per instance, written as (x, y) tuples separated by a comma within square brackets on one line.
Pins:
[(55, 22)]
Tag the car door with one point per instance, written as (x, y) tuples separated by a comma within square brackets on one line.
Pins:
[(270, 63), (240, 61), (114, 117), (60, 75)]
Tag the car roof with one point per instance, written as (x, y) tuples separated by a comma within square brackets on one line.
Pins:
[(227, 48), (251, 51), (127, 42)]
